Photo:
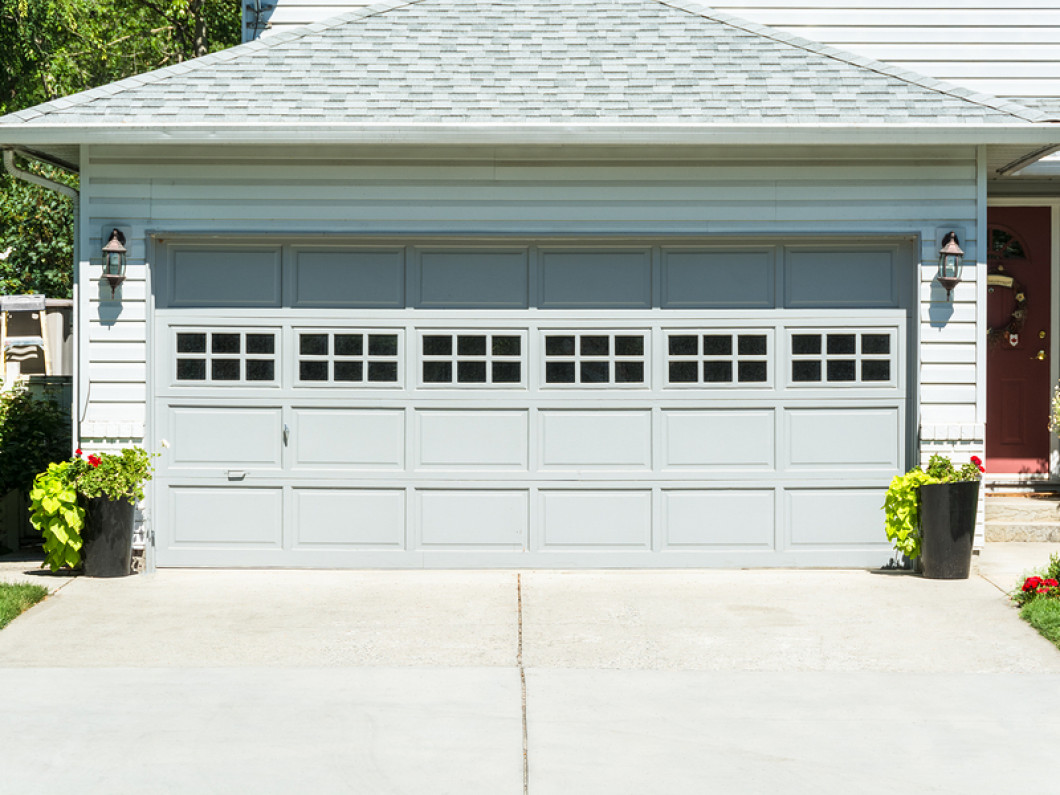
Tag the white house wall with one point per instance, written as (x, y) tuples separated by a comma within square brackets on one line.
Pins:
[(999, 50), (745, 193)]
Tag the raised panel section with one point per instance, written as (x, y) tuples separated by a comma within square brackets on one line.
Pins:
[(473, 518), (595, 279), (605, 519), (349, 278), (833, 279), (836, 517), (843, 439), (718, 279), (465, 439), (473, 280), (713, 439), (349, 518), (225, 277), (732, 518), (596, 439), (209, 436), (334, 438), (250, 518)]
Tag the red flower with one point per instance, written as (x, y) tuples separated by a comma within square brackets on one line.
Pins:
[(1050, 583), (77, 452), (95, 460), (977, 460), (1031, 583)]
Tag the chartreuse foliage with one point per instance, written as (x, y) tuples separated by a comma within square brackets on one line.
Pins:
[(902, 509), (55, 513)]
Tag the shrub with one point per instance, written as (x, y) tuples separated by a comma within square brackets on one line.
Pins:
[(34, 432)]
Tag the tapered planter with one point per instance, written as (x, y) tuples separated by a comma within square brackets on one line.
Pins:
[(947, 529), (107, 536)]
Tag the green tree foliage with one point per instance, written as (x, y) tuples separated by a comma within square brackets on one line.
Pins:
[(52, 48)]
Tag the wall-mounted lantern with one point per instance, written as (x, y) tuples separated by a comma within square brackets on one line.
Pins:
[(950, 256), (114, 260)]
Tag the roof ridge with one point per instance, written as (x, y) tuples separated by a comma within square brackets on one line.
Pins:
[(204, 61), (882, 67)]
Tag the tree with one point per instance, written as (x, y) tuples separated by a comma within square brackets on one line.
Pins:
[(52, 48)]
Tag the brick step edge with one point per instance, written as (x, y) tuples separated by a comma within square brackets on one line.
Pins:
[(1029, 531)]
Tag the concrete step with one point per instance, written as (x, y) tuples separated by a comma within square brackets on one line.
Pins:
[(1021, 518)]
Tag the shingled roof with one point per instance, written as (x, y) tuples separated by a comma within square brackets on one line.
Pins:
[(515, 62)]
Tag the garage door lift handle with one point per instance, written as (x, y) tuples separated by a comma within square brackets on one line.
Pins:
[(286, 434)]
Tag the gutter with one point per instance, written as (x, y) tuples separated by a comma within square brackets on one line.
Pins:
[(74, 194)]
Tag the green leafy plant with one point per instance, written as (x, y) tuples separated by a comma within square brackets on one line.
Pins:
[(54, 512), (1054, 411), (1043, 584), (34, 432), (112, 475), (902, 502)]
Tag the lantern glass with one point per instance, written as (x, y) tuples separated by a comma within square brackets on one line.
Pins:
[(115, 264), (950, 266)]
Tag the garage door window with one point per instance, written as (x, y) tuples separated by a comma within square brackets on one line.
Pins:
[(472, 358), (594, 358), (843, 357), (226, 356), (348, 357), (711, 357)]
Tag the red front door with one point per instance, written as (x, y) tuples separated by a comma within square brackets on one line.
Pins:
[(1017, 358)]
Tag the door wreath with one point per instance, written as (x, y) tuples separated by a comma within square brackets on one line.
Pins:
[(1010, 332)]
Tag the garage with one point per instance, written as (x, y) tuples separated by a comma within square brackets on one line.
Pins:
[(609, 402)]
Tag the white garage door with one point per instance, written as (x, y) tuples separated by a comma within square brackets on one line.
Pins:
[(527, 405)]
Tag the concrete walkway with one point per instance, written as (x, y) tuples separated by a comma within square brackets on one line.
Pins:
[(602, 682)]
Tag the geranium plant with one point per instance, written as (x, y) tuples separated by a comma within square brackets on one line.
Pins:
[(902, 502), (1044, 585), (58, 493)]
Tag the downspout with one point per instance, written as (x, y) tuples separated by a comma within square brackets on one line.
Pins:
[(74, 194)]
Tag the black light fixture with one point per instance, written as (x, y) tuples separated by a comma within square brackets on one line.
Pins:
[(114, 260), (950, 256)]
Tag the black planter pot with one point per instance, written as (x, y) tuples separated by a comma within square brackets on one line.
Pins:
[(107, 536), (947, 529)]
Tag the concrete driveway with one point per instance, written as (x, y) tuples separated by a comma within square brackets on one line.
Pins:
[(534, 681)]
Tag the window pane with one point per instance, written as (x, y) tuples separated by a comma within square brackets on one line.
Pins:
[(752, 345), (596, 372), (260, 369), (806, 371), (349, 371), (629, 372), (717, 372), (349, 345), (387, 371), (559, 346), (595, 345), (437, 372), (872, 370), (225, 343), (191, 343), (313, 344), (438, 345), (261, 343), (684, 372), (191, 369), (805, 345), (876, 343), (629, 346), (717, 345), (506, 346), (471, 372), (383, 344), (224, 369), (507, 372), (841, 343), (751, 372), (471, 346), (559, 372), (313, 371), (842, 370), (684, 345)]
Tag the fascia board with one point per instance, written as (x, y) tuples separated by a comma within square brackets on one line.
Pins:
[(552, 134)]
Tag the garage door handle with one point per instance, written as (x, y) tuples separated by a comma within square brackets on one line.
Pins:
[(286, 434)]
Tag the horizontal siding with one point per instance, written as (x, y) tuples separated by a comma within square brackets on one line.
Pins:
[(782, 192)]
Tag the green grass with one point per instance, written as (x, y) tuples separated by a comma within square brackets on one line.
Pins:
[(16, 598), (1044, 616)]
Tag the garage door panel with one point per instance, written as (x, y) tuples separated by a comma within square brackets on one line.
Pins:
[(473, 280), (595, 279), (836, 517), (212, 436), (827, 278), (349, 518), (353, 439), (718, 279), (595, 519), (348, 278), (226, 517), (595, 439), (707, 518), (473, 519), (467, 439), (844, 439), (719, 439), (246, 277)]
